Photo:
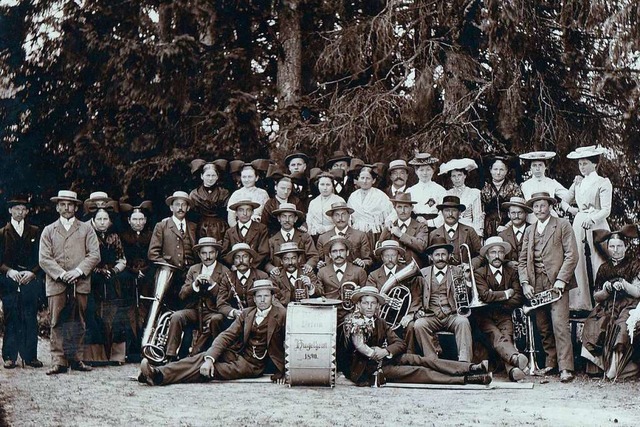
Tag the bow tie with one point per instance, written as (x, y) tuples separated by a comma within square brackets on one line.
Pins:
[(440, 273)]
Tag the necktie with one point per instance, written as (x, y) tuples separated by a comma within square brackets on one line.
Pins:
[(403, 227), (243, 279), (341, 234), (389, 274), (292, 280), (451, 232), (498, 276), (182, 229), (519, 235), (338, 186), (260, 316), (339, 274), (288, 237), (439, 276), (243, 230)]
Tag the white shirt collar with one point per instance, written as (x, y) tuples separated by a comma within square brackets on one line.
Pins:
[(177, 222), (444, 270), (452, 227), (263, 313), (343, 231), (542, 225), (493, 269), (208, 270), (284, 233), (386, 270), (406, 223), (245, 224), (516, 229), (67, 223), (342, 268), (18, 226)]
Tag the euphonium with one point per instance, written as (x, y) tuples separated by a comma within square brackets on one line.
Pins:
[(460, 294), (397, 295), (155, 335), (346, 290), (523, 328)]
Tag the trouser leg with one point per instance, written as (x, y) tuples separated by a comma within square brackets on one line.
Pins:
[(543, 322), (30, 295), (562, 332), (461, 329), (11, 325), (57, 304), (425, 329), (179, 320), (419, 375)]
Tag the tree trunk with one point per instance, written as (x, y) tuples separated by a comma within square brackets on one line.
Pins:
[(290, 55)]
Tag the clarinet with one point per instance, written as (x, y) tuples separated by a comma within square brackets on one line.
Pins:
[(235, 293)]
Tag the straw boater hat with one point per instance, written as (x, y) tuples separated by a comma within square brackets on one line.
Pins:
[(237, 248), (66, 196), (288, 247), (100, 200), (584, 152), (438, 243), (178, 195), (518, 202), (398, 164), (540, 196), (451, 202), (538, 155), (455, 164), (423, 159), (402, 198), (288, 207), (297, 155), (261, 284), (367, 291), (388, 244), (338, 206), (208, 241), (337, 156), (197, 165), (247, 202), (336, 239), (495, 241)]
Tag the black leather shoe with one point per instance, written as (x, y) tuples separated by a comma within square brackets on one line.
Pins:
[(80, 366), (35, 363), (566, 376), (57, 369), (482, 379), (9, 364), (516, 375), (519, 360), (480, 368)]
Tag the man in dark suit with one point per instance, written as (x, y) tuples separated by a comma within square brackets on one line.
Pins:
[(338, 166), (456, 233), (247, 231), (412, 234), (297, 164), (233, 295), (20, 286), (199, 294), (293, 280), (359, 247), (518, 211), (547, 262), (69, 251), (499, 287), (377, 351), (287, 215), (244, 350)]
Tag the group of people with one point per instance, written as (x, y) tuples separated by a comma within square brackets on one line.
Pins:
[(254, 237)]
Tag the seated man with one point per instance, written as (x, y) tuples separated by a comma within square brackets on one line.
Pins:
[(439, 306), (199, 294), (244, 350), (376, 351), (294, 283), (499, 287), (247, 230)]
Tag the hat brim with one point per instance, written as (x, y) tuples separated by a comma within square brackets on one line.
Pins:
[(355, 297), (217, 246), (229, 257), (408, 202), (390, 169), (327, 247), (505, 245), (277, 212), (235, 206), (271, 288), (506, 205), (538, 155), (57, 199), (378, 251), (532, 200), (330, 162), (460, 207), (287, 251), (170, 200), (12, 203), (296, 156), (432, 248), (345, 208), (574, 155)]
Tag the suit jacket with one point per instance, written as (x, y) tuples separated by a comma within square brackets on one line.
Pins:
[(19, 252), (360, 247), (236, 336), (271, 221), (509, 236), (414, 240), (62, 250), (210, 298), (361, 366), (226, 298), (378, 278), (286, 292), (257, 237), (493, 293), (329, 285), (167, 244), (428, 277), (304, 242), (465, 234), (559, 253)]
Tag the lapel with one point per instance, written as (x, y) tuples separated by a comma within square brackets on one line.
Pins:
[(248, 323), (426, 273), (63, 231), (272, 318), (548, 231), (412, 228), (172, 227), (251, 232)]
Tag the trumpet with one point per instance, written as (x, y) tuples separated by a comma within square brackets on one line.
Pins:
[(398, 296), (346, 290)]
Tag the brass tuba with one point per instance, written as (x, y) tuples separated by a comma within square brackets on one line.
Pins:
[(397, 295), (156, 332), (346, 290)]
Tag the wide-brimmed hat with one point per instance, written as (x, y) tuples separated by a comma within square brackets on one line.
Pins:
[(388, 244), (261, 165), (262, 284), (495, 241), (628, 231), (246, 202), (296, 155), (288, 207), (540, 196), (275, 172), (197, 165), (438, 243), (208, 241), (178, 195), (588, 151), (338, 206), (337, 156), (451, 202), (423, 159), (398, 164), (455, 164), (235, 166), (367, 291), (355, 165), (538, 155), (145, 207), (402, 198), (237, 248), (516, 201), (333, 240), (66, 195), (288, 247), (17, 201)]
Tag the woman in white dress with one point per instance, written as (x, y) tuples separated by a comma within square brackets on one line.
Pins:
[(317, 221), (426, 193), (592, 194), (457, 169), (538, 161)]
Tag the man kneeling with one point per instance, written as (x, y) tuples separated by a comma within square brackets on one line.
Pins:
[(242, 351), (378, 352)]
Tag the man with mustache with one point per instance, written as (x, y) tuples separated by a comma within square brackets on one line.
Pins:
[(247, 230), (398, 175), (456, 233), (172, 242)]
